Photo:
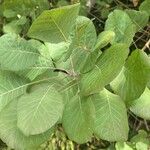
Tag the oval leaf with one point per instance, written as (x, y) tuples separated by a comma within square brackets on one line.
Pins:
[(39, 110), (106, 70), (54, 25), (132, 80), (120, 23), (78, 119), (145, 7), (104, 38), (82, 45), (111, 121), (141, 106), (12, 136)]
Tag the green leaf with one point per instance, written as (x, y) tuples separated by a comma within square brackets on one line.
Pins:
[(12, 136), (139, 18), (106, 70), (80, 50), (12, 28), (132, 80), (111, 121), (141, 106), (9, 13), (78, 119), (15, 26), (25, 8), (16, 53), (141, 140), (54, 25), (11, 86), (44, 62), (104, 38), (123, 27), (85, 34), (122, 146), (141, 137), (39, 110), (142, 146), (90, 61), (145, 7), (41, 66), (90, 82), (56, 51)]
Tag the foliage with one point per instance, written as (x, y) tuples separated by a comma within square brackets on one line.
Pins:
[(139, 142), (57, 70)]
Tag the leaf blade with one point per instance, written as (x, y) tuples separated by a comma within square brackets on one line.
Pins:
[(132, 80), (106, 69), (39, 110), (11, 86), (111, 121), (10, 133), (141, 106), (78, 119), (123, 27), (16, 53), (57, 22)]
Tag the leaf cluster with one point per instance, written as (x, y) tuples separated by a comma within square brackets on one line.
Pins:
[(67, 74)]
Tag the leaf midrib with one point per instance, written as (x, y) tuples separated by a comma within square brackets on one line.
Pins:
[(63, 35), (108, 102), (41, 99), (25, 85), (22, 51)]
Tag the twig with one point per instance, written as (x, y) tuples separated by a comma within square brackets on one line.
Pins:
[(95, 17), (139, 125), (122, 4), (146, 125), (146, 45)]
